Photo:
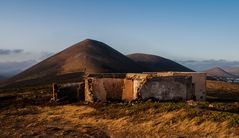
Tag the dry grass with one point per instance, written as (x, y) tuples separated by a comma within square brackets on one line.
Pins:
[(118, 120), (222, 86)]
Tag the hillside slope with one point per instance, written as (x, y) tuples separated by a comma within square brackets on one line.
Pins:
[(155, 63)]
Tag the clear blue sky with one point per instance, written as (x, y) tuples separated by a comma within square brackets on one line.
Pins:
[(176, 29)]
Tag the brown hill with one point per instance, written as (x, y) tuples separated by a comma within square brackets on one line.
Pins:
[(218, 72), (155, 63), (87, 56), (233, 70)]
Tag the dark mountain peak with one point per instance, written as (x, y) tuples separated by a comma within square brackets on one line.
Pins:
[(88, 41), (90, 46)]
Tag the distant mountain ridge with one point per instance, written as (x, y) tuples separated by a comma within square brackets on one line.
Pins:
[(232, 70), (219, 72), (2, 78)]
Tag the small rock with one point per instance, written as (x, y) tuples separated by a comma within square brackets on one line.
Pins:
[(210, 106)]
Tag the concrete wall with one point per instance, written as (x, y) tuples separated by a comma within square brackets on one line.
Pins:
[(198, 80), (166, 88)]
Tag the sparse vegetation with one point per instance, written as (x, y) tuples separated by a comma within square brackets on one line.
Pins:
[(149, 119), (222, 91)]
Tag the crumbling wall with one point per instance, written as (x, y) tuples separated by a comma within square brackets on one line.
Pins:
[(198, 80), (166, 88), (89, 96), (138, 81), (104, 89)]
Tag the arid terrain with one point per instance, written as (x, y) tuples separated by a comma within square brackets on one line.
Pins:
[(119, 69), (28, 113)]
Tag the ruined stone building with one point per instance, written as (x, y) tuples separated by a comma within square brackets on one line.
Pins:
[(163, 86)]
